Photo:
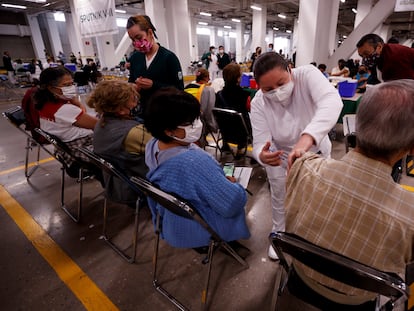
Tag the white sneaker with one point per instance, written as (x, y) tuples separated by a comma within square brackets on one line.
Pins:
[(272, 254)]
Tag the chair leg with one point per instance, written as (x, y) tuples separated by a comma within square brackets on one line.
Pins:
[(155, 282), (107, 239), (204, 294), (28, 148), (234, 254), (75, 217)]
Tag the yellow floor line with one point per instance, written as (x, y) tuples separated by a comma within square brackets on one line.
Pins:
[(21, 167), (409, 188), (68, 271)]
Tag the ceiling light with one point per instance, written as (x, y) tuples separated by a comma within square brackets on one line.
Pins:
[(36, 1), (235, 20), (255, 7), (13, 6), (344, 36), (281, 15), (343, 1), (120, 11), (275, 28), (203, 23), (205, 14), (227, 27), (354, 10), (288, 31)]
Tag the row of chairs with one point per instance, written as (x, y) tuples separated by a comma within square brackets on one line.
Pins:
[(322, 260)]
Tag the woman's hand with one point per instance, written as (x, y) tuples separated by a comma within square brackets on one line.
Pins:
[(143, 83), (75, 101), (304, 143), (231, 178), (269, 157)]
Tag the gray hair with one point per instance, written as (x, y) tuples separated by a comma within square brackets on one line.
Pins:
[(385, 119)]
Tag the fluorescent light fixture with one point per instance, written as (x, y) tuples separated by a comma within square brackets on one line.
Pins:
[(288, 31), (343, 1), (120, 11), (227, 27), (203, 23), (344, 36), (205, 14), (281, 15), (59, 16), (255, 7), (36, 1), (13, 6), (354, 10), (339, 41), (235, 20), (275, 28)]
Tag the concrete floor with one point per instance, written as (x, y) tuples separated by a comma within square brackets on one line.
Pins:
[(28, 281)]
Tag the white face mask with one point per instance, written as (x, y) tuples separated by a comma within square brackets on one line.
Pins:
[(69, 91), (192, 132), (281, 94)]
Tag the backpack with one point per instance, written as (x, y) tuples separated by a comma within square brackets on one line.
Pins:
[(195, 90)]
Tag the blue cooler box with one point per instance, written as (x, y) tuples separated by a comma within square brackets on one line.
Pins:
[(71, 66), (245, 80), (347, 88)]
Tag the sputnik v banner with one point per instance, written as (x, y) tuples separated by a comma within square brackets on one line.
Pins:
[(96, 17), (404, 5)]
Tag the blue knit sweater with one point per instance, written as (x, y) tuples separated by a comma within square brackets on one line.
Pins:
[(194, 175)]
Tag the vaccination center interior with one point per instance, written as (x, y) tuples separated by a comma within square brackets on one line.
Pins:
[(207, 155)]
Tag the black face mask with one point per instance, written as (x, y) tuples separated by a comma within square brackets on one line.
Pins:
[(361, 72), (341, 67)]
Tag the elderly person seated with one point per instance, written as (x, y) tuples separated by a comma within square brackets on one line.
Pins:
[(235, 98), (179, 166), (62, 114), (118, 136), (207, 97), (352, 206)]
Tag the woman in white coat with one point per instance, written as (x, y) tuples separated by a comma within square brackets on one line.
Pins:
[(291, 113)]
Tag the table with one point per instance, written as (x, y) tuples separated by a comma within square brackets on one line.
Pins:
[(350, 105)]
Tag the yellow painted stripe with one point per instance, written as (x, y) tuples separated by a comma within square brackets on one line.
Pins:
[(68, 271), (21, 167), (409, 188)]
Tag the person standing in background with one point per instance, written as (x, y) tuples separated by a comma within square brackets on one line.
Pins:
[(153, 66), (7, 63), (223, 59)]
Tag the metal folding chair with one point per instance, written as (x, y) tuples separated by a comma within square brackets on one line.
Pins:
[(17, 118), (337, 267), (182, 208), (114, 173), (80, 176), (233, 128)]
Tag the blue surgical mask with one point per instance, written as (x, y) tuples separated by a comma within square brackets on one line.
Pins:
[(192, 132)]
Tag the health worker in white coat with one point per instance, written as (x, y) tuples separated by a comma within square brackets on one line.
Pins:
[(291, 113)]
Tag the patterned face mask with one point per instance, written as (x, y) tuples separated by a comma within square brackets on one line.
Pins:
[(371, 60), (142, 45)]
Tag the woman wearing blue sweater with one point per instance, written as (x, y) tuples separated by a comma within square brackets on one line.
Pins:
[(179, 166)]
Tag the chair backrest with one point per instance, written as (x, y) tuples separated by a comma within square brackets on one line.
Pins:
[(337, 267), (109, 169), (173, 203), (232, 126)]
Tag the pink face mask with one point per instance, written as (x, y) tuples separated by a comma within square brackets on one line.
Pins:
[(143, 45)]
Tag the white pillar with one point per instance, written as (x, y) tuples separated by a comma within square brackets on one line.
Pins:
[(332, 36), (74, 39), (178, 22), (270, 38), (294, 38), (213, 36), (36, 37), (314, 33), (53, 33), (259, 29), (384, 31), (363, 8), (194, 42), (106, 51), (155, 9), (226, 37), (239, 42), (74, 30)]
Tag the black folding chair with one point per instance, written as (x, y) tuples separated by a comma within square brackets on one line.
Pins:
[(233, 128), (76, 171), (113, 173), (17, 118), (337, 267), (183, 209)]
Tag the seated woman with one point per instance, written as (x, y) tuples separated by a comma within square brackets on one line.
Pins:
[(118, 136), (61, 113), (179, 166), (235, 98)]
